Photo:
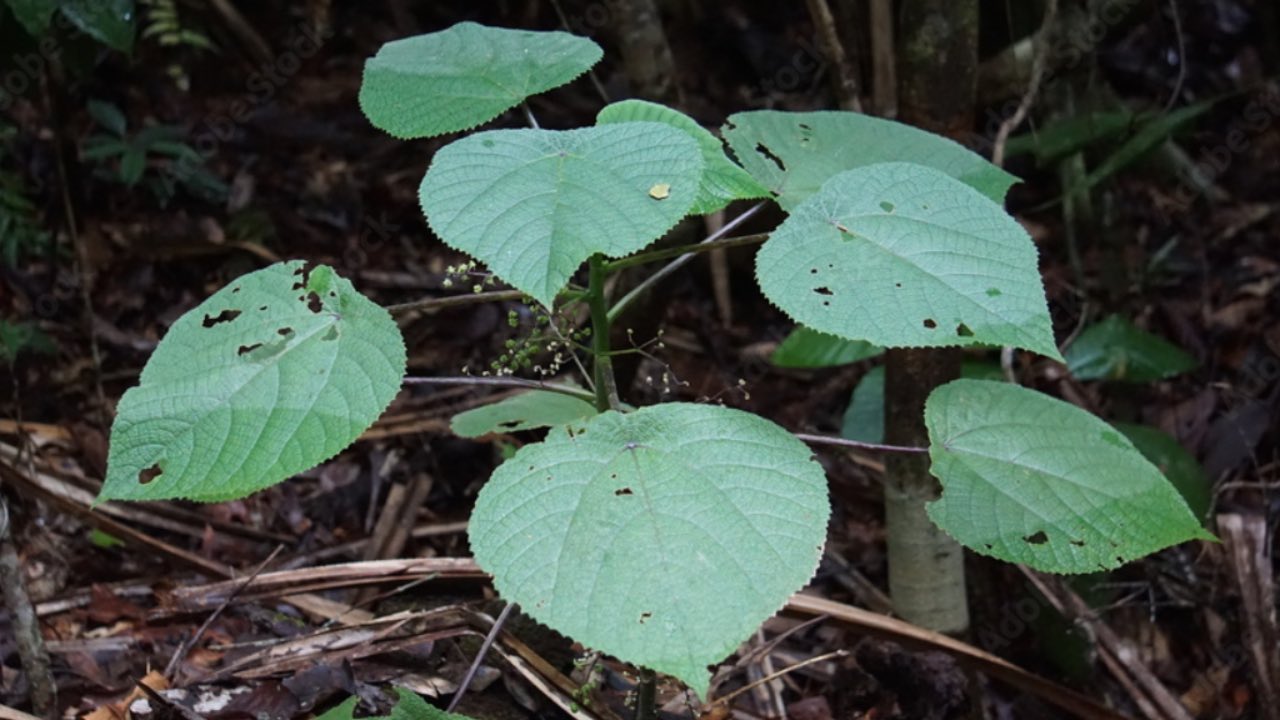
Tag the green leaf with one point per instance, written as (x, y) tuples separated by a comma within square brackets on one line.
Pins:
[(723, 181), (1034, 480), (33, 15), (1116, 350), (133, 163), (272, 375), (108, 116), (864, 418), (902, 255), (794, 154), (526, 411), (805, 348), (17, 338), (1178, 465), (110, 22), (534, 204), (663, 537), (1071, 134), (1152, 133), (409, 707), (457, 78)]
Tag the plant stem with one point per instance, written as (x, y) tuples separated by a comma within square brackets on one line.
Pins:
[(484, 650), (503, 382), (646, 696), (938, 83), (843, 442), (926, 566), (698, 247), (616, 311), (606, 396), (436, 303)]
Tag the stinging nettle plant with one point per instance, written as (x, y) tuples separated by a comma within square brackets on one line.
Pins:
[(663, 535)]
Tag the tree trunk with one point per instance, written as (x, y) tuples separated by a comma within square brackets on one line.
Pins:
[(646, 54), (937, 72)]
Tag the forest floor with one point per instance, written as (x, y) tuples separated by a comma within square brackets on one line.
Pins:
[(134, 591)]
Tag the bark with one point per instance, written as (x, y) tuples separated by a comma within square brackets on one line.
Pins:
[(646, 54), (926, 567), (938, 64), (937, 71), (884, 73)]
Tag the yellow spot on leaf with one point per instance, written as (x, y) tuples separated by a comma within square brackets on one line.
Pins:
[(661, 191)]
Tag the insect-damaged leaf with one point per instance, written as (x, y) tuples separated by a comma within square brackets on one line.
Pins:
[(272, 375), (901, 255), (663, 537), (1034, 480)]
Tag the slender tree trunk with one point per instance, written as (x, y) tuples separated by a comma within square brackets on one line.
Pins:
[(884, 75), (937, 71), (646, 54)]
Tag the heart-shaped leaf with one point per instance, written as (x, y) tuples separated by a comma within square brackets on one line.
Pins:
[(457, 78), (902, 255), (1034, 480), (723, 181), (533, 205), (663, 537), (272, 375), (794, 154)]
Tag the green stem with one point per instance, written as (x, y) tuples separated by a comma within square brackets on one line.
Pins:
[(654, 278), (606, 395), (437, 303), (698, 247), (512, 382), (646, 696)]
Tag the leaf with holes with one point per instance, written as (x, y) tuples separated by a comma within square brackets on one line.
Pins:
[(805, 348), (272, 375), (1116, 350), (794, 154), (663, 537), (723, 181), (902, 255), (457, 78), (1034, 480), (526, 411), (534, 204)]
